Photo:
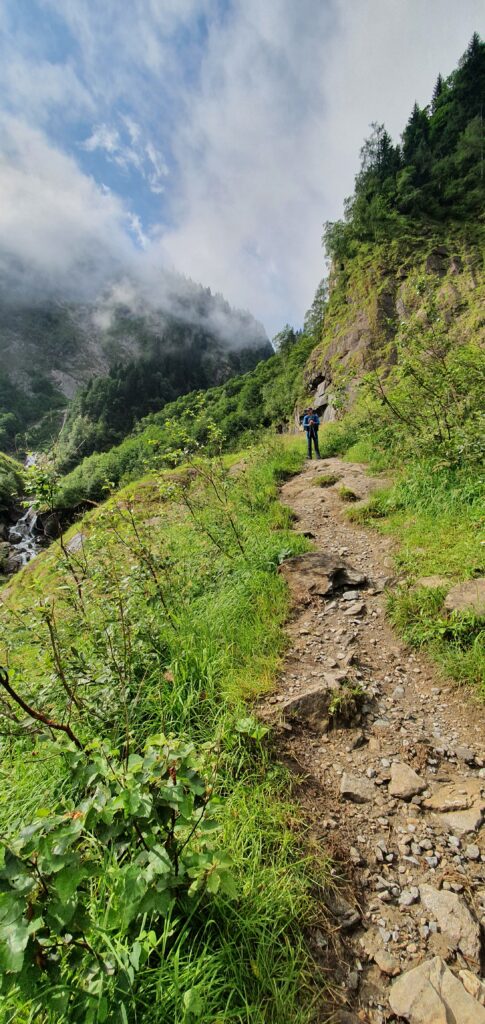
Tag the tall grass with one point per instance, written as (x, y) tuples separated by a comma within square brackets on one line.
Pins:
[(179, 656)]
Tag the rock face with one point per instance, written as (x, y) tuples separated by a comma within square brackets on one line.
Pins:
[(367, 304), (319, 575), (467, 597), (454, 920), (357, 788), (405, 783), (460, 805), (430, 994)]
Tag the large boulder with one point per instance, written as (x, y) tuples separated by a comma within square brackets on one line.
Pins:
[(467, 597), (430, 994), (4, 554), (310, 706)]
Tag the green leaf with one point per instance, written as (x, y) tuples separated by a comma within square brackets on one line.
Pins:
[(13, 941), (61, 912), (213, 882), (193, 1002), (135, 955), (103, 1009), (68, 880)]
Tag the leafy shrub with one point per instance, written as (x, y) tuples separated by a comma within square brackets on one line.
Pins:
[(85, 890), (336, 438)]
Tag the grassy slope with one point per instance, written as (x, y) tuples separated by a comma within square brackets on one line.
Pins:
[(241, 408), (247, 956)]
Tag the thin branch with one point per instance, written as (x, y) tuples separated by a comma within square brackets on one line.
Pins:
[(38, 716)]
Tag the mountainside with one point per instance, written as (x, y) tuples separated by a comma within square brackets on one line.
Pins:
[(138, 355)]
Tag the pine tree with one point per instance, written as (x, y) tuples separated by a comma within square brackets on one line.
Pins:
[(437, 92)]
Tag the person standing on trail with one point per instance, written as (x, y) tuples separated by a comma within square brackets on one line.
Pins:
[(311, 423)]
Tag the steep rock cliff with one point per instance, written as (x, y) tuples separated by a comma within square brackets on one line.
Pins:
[(379, 288)]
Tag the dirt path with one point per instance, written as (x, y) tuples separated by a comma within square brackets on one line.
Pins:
[(397, 794)]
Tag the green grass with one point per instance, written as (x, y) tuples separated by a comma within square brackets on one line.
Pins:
[(346, 494), (456, 642), (435, 515), (243, 408), (179, 655), (326, 480)]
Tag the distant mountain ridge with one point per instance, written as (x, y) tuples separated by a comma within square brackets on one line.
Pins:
[(53, 350)]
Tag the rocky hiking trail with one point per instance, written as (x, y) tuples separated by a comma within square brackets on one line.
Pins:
[(396, 793)]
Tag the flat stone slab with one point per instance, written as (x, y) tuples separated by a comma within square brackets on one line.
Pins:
[(431, 994), (454, 919), (467, 597), (76, 542), (459, 805), (405, 782)]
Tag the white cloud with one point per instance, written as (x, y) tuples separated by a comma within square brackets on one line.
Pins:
[(59, 230), (143, 156), (42, 87), (103, 137)]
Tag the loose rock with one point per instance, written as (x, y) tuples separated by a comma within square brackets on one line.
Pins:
[(467, 597), (430, 994), (359, 789), (405, 782)]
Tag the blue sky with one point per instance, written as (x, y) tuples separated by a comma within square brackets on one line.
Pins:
[(209, 136)]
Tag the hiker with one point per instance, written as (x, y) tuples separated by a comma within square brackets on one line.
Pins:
[(311, 423)]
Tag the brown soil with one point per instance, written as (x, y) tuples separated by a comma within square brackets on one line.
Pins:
[(388, 846)]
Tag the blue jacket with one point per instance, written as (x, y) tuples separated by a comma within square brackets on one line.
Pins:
[(306, 422)]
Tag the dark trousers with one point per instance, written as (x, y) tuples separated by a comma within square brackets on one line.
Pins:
[(312, 435)]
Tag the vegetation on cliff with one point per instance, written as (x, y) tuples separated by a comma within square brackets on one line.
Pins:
[(11, 482), (243, 407)]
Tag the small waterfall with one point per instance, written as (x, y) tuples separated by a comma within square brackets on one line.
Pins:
[(23, 535), (24, 538)]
